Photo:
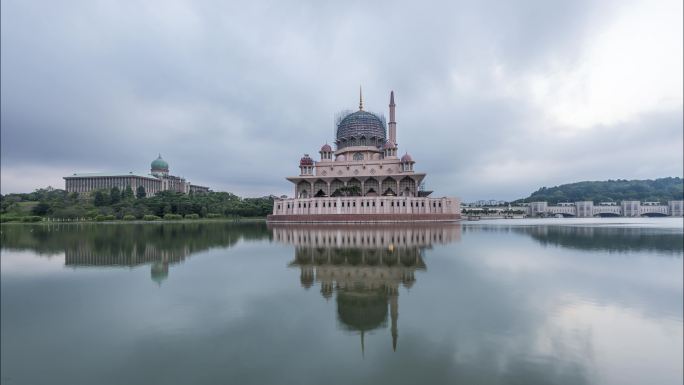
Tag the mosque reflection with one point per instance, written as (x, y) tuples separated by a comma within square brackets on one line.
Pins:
[(363, 267)]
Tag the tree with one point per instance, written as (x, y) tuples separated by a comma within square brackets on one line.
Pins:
[(99, 199), (114, 195), (140, 192), (127, 194), (41, 208)]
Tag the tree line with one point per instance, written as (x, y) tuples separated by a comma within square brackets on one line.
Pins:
[(115, 203)]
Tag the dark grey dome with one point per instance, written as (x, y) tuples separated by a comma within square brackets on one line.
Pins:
[(361, 128)]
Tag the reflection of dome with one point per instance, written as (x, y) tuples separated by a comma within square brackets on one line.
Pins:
[(306, 161), (326, 148), (360, 124), (159, 272), (160, 164), (362, 311)]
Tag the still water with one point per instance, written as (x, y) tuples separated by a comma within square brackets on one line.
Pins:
[(489, 302)]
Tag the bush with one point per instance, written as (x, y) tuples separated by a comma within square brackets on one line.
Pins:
[(109, 217), (100, 218), (191, 216), (214, 215), (172, 217), (150, 218), (31, 218), (9, 218), (129, 217)]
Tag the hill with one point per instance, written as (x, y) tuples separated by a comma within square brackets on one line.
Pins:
[(650, 190)]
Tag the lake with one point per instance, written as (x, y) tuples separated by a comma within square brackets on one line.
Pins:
[(553, 301)]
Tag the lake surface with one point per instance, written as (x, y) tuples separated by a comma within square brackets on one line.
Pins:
[(491, 302)]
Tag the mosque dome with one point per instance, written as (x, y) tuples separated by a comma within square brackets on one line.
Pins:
[(406, 158), (326, 148), (389, 145), (159, 164), (306, 161), (361, 128)]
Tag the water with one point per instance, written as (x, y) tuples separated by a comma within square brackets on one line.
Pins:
[(489, 302)]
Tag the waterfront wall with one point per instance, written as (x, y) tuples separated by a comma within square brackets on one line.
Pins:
[(365, 209)]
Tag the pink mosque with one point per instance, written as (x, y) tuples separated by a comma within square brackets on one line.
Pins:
[(363, 179)]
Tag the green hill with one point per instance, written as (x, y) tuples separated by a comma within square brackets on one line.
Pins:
[(651, 190)]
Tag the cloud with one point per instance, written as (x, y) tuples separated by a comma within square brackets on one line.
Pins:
[(494, 99)]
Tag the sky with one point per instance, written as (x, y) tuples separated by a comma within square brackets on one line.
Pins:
[(494, 98)]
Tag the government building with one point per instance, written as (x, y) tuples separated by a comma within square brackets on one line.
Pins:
[(158, 180), (363, 179)]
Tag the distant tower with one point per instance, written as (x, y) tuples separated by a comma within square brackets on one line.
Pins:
[(392, 121)]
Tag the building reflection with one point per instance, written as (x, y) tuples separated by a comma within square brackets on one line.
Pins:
[(160, 245), (144, 254), (363, 267)]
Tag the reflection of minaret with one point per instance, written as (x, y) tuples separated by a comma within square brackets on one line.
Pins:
[(306, 277), (394, 314), (363, 346)]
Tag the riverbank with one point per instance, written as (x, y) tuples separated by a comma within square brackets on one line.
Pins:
[(139, 221)]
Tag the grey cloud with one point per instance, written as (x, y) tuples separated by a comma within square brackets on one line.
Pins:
[(232, 94)]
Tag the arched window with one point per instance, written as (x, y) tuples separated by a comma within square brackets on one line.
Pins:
[(358, 156)]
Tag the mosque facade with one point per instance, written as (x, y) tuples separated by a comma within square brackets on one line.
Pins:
[(362, 179), (157, 180)]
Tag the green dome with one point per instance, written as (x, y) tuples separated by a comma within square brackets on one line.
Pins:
[(160, 164)]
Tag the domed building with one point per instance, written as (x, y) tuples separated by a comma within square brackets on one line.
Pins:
[(157, 180), (362, 179)]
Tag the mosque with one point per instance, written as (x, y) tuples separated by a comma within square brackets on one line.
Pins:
[(157, 180), (363, 179)]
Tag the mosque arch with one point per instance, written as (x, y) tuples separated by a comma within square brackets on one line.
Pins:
[(407, 187), (335, 187), (389, 187), (352, 188), (371, 187), (320, 188), (303, 189)]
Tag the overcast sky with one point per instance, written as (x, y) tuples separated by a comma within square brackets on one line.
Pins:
[(494, 98)]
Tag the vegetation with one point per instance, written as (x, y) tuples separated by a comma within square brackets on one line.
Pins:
[(116, 204), (649, 190)]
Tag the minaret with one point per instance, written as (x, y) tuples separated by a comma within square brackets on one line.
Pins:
[(360, 100), (392, 122)]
